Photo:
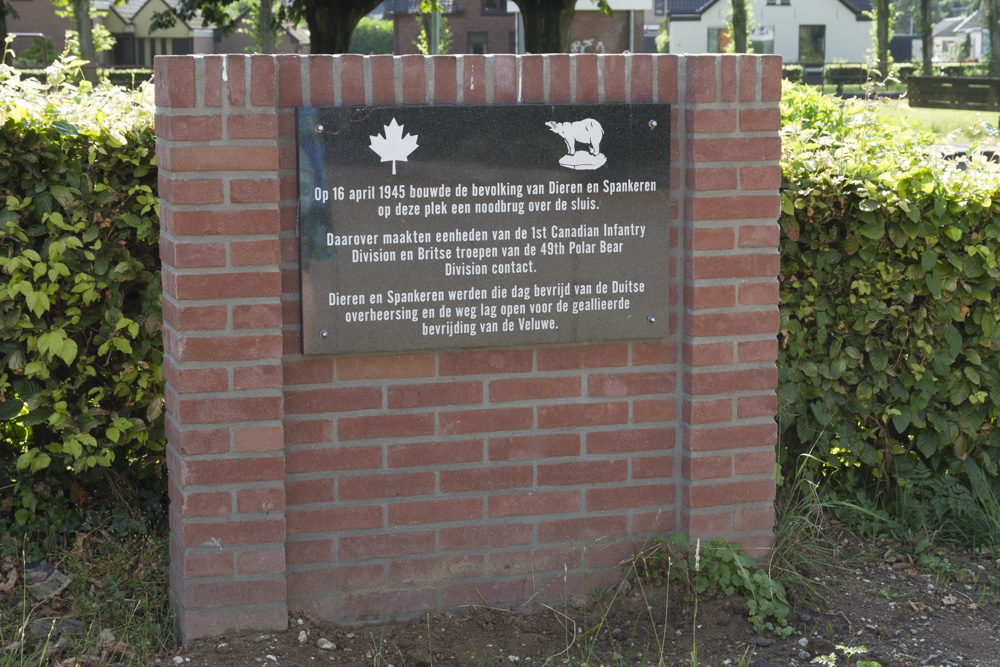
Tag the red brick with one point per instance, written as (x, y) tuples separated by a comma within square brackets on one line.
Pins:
[(732, 437), (759, 294), (305, 584), (593, 356), (707, 121), (707, 525), (435, 511), (223, 158), (219, 564), (236, 75), (583, 414), (734, 149), (748, 407), (725, 382), (532, 79), (582, 472), (445, 80), (613, 78), (653, 523), (352, 79), (189, 128), (484, 421), (748, 79), (262, 561), (434, 453), (436, 570), (734, 266), (196, 443), (537, 560), (257, 377), (760, 120), (704, 297), (758, 351), (559, 79), (654, 353), (308, 432), (190, 505), (549, 502), (708, 412), (190, 191), (195, 318), (311, 370), (709, 179), (319, 401), (474, 79), (759, 518), (641, 78), (649, 467), (364, 605), (321, 91), (196, 380), (760, 178), (252, 191), (657, 410), (259, 439), (534, 446), (491, 592), (733, 208), (385, 426), (435, 393), (708, 354), (733, 324), (232, 594), (759, 236), (386, 545), (732, 493), (228, 285), (309, 551), (252, 126), (230, 471), (175, 82), (192, 255), (485, 537), (666, 79), (232, 533), (229, 348), (207, 223), (631, 384), (583, 530), (505, 83), (253, 501), (492, 478), (414, 80), (519, 389), (262, 80), (713, 238), (396, 366), (586, 79), (702, 78), (333, 519), (770, 80), (222, 410), (478, 362), (633, 440), (385, 485), (332, 458), (308, 491), (727, 77), (707, 467), (289, 81), (754, 463), (627, 497), (383, 80)]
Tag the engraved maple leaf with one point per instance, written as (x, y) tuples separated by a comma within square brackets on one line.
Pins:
[(392, 145)]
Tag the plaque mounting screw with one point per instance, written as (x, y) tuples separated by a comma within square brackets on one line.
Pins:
[(324, 333), (652, 124), (651, 319), (319, 128)]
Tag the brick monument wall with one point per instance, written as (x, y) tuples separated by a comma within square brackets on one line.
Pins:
[(365, 487)]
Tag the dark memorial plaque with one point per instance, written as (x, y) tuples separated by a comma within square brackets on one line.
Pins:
[(472, 226)]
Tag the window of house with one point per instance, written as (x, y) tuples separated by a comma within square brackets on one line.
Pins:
[(779, 2), (477, 42), (762, 39), (718, 39), (659, 7), (494, 6), (512, 41), (812, 44), (180, 46)]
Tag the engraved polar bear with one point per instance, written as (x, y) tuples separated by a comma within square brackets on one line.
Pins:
[(587, 131)]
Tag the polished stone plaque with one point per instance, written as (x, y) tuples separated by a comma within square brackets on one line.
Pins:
[(472, 226)]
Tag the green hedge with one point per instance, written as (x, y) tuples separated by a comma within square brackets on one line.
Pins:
[(890, 298), (80, 328)]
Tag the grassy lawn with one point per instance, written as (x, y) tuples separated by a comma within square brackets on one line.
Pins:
[(950, 126)]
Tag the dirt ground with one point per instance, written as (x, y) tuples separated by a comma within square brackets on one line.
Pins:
[(945, 613)]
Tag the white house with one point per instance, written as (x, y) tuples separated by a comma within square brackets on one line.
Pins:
[(960, 37), (801, 31)]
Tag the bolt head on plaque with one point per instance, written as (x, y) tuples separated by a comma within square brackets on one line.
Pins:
[(652, 124), (319, 128), (324, 333), (651, 319)]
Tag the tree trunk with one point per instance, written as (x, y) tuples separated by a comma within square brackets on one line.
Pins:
[(926, 36), (882, 37), (738, 28), (547, 25), (993, 26), (85, 33), (332, 22), (265, 26)]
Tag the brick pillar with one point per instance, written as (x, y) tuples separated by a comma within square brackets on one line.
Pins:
[(219, 211), (731, 177)]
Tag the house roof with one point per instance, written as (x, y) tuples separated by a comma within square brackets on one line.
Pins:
[(946, 27), (972, 23), (690, 7), (128, 9)]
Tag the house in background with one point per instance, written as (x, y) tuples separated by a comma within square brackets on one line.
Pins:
[(809, 32), (960, 38)]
